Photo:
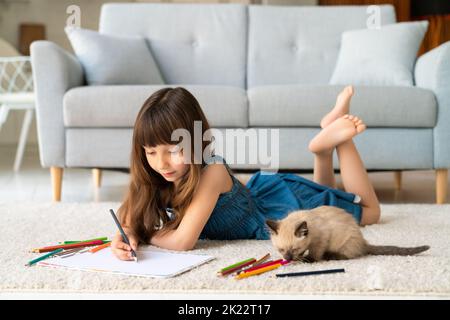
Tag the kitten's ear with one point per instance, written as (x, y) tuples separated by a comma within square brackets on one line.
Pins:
[(273, 226), (302, 230)]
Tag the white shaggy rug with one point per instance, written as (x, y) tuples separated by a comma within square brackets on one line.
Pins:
[(26, 226)]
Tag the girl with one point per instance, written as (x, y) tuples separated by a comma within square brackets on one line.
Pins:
[(171, 202)]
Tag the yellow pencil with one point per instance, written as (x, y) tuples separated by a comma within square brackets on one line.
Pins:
[(257, 271)]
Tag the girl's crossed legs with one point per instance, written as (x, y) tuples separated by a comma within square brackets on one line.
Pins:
[(338, 129)]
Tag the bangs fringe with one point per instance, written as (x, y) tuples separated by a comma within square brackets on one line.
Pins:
[(156, 126)]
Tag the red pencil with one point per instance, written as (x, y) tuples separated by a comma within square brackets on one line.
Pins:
[(69, 246)]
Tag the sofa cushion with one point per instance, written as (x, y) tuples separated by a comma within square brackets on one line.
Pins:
[(202, 44), (297, 105), (380, 57), (300, 44), (380, 149), (108, 59), (118, 106)]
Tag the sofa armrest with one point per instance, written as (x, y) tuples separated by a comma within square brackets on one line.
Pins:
[(54, 72), (432, 72)]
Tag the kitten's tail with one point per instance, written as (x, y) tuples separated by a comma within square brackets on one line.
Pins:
[(394, 251)]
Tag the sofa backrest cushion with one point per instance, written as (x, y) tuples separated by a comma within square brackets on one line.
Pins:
[(108, 59), (193, 44), (300, 45), (384, 56)]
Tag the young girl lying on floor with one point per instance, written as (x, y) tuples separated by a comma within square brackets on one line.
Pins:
[(173, 201)]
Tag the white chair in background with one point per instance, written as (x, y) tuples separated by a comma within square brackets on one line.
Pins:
[(16, 92)]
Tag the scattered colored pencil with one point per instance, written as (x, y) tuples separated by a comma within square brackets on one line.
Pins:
[(83, 250), (78, 241), (258, 271), (236, 265), (237, 268), (256, 263), (64, 252), (103, 246), (45, 256), (309, 273), (103, 241), (263, 265), (260, 261), (69, 254), (77, 251), (69, 246)]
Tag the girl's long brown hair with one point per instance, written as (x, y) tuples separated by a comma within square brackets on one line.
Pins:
[(149, 193)]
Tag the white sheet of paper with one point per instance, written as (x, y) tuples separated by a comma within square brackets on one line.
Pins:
[(152, 263)]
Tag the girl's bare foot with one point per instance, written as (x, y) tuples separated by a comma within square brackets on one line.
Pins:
[(340, 130), (341, 108)]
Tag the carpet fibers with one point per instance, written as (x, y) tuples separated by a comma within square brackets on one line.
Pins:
[(29, 225)]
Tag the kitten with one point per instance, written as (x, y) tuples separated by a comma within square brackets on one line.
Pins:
[(326, 233)]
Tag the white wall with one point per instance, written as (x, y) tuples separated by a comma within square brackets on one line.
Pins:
[(52, 13)]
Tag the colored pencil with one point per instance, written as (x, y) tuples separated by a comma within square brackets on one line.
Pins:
[(78, 241), (69, 254), (238, 267), (103, 246), (69, 246), (81, 250), (64, 252), (258, 271), (73, 242), (263, 265), (256, 263), (280, 261), (260, 261), (236, 264), (308, 273), (45, 256)]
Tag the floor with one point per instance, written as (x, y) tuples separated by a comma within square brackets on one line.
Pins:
[(32, 183), (427, 274)]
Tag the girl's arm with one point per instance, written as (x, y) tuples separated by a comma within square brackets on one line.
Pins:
[(185, 237)]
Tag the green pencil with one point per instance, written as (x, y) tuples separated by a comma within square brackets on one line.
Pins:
[(78, 241), (236, 264), (45, 256)]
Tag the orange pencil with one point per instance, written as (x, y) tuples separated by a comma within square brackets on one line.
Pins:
[(103, 246)]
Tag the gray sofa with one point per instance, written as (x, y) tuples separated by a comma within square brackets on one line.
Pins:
[(249, 67)]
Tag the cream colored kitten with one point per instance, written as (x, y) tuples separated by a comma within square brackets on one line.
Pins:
[(326, 233)]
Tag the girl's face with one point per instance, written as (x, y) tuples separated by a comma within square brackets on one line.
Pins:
[(167, 160)]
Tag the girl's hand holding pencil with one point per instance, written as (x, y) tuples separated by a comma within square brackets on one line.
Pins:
[(122, 250)]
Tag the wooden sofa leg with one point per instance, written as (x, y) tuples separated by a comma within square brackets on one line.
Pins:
[(398, 180), (97, 176), (441, 185), (56, 175)]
